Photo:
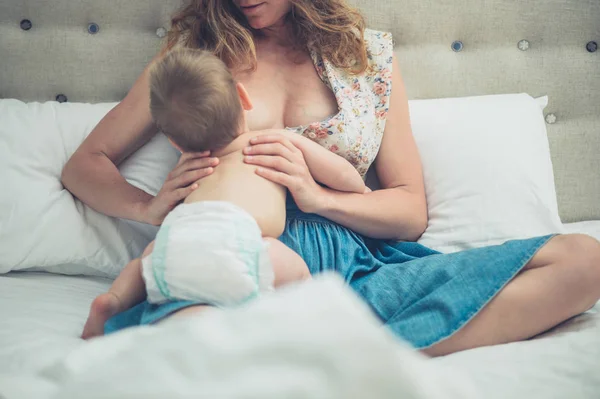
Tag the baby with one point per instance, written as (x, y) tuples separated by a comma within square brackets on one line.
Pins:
[(219, 247)]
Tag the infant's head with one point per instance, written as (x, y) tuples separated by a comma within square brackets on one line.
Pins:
[(195, 101)]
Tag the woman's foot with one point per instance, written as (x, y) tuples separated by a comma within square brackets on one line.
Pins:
[(103, 308)]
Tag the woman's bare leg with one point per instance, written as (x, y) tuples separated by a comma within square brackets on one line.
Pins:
[(561, 281)]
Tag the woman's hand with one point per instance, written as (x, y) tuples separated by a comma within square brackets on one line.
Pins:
[(281, 162), (179, 184)]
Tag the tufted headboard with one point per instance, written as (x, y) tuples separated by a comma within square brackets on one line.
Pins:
[(92, 51)]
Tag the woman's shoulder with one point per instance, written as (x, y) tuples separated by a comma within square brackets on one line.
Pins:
[(380, 53), (373, 35), (380, 46)]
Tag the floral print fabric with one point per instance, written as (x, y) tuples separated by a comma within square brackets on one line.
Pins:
[(355, 132)]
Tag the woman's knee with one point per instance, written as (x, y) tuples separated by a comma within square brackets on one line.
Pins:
[(582, 248), (581, 253), (579, 256), (578, 249)]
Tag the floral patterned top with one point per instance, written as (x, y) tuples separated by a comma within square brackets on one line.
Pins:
[(355, 133)]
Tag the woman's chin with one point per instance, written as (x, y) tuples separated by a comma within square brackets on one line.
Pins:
[(258, 24), (265, 23)]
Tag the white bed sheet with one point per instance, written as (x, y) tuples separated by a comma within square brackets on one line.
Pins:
[(42, 316)]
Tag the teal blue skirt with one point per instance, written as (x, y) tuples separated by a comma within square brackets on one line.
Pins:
[(421, 295)]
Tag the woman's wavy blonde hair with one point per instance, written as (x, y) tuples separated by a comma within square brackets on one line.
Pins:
[(330, 27)]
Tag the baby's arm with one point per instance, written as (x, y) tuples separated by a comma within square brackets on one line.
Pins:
[(126, 291), (326, 167)]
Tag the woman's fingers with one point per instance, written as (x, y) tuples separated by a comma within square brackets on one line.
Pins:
[(190, 177), (181, 193), (275, 138), (275, 162), (191, 164), (274, 176), (199, 163), (192, 155), (270, 149)]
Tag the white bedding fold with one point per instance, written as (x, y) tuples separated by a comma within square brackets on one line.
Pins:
[(328, 345)]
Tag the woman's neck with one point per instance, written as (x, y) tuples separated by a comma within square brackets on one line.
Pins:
[(279, 34)]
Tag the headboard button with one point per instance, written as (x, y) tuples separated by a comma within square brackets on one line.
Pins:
[(161, 32), (25, 24), (457, 46), (523, 45), (93, 28), (550, 119), (61, 98), (591, 47)]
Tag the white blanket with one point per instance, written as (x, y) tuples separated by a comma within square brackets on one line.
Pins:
[(328, 345)]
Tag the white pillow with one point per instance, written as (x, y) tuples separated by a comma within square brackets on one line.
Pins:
[(486, 162), (487, 167), (42, 227)]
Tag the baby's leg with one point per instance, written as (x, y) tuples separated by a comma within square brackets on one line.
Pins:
[(189, 311), (288, 266), (126, 291)]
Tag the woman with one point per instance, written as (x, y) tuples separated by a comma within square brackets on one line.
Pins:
[(303, 61)]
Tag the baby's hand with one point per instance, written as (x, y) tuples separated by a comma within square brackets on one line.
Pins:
[(367, 190)]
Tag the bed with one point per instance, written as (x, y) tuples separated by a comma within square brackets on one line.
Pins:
[(71, 53), (43, 314)]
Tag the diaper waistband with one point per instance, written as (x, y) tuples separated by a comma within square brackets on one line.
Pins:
[(200, 207)]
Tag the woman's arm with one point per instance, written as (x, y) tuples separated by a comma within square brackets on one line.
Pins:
[(328, 168), (399, 210), (91, 173), (324, 166)]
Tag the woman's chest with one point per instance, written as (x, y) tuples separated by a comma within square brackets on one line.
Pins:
[(292, 94), (285, 93)]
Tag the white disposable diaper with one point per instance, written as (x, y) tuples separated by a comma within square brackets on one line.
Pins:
[(211, 252)]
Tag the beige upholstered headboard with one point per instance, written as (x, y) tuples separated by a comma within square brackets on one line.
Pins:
[(92, 51)]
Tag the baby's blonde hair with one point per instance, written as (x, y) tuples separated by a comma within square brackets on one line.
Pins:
[(194, 100)]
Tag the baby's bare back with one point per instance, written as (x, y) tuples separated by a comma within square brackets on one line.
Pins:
[(236, 182)]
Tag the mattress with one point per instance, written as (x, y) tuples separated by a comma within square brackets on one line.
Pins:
[(43, 314)]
